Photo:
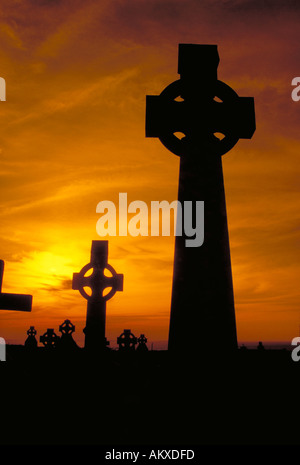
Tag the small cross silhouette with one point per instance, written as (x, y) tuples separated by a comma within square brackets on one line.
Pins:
[(49, 339), (97, 282), (127, 340)]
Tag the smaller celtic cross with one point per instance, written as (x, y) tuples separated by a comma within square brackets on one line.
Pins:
[(142, 343), (142, 339), (49, 339), (67, 328), (31, 332), (31, 342), (127, 340), (66, 341), (98, 282)]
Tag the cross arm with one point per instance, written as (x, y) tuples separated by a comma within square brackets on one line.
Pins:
[(118, 282), (19, 302), (165, 116), (94, 281)]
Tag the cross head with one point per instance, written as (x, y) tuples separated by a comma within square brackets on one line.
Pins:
[(31, 331), (206, 106), (127, 340), (97, 281), (142, 339), (49, 339), (67, 327)]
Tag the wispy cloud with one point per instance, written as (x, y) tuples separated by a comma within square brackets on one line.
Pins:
[(73, 135)]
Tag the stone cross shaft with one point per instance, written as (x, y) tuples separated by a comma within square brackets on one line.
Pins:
[(19, 302), (103, 277), (211, 117)]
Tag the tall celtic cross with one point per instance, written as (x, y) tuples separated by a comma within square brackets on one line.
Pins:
[(103, 283), (212, 118), (19, 302)]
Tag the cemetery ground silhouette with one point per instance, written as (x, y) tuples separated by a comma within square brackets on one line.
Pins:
[(68, 396)]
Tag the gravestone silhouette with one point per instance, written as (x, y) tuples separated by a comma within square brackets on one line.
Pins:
[(50, 339), (260, 346), (31, 342), (98, 282), (127, 341), (212, 118), (142, 344), (19, 302), (66, 340)]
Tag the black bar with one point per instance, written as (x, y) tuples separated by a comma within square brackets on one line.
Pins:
[(19, 302)]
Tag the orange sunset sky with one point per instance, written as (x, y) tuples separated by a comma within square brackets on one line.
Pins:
[(72, 134)]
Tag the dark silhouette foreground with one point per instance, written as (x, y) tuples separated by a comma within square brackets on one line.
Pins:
[(53, 398)]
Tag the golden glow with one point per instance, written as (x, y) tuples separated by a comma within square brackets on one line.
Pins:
[(72, 134)]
